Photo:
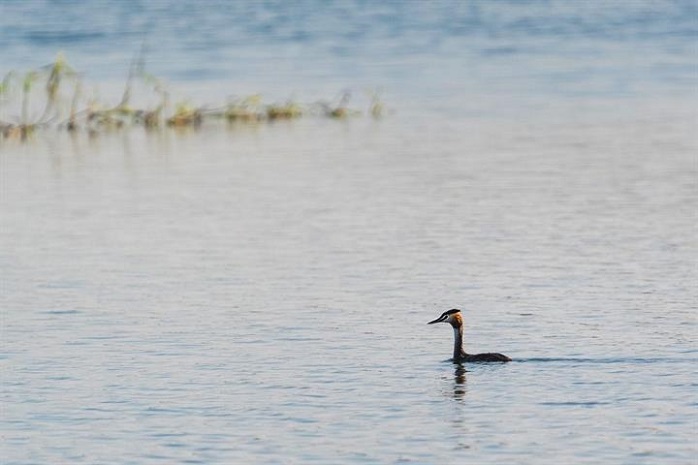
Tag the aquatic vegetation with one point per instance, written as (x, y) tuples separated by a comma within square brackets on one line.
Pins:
[(339, 110), (53, 96), (57, 73), (247, 109), (376, 108), (288, 110), (185, 115)]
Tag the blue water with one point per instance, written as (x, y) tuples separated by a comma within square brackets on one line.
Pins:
[(452, 55), (260, 293)]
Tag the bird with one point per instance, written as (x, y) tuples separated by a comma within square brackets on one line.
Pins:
[(454, 318)]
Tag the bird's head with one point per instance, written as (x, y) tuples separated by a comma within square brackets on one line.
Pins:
[(452, 316)]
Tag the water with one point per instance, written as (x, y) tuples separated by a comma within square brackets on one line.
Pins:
[(260, 294)]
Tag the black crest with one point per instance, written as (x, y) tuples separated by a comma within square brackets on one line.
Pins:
[(444, 316)]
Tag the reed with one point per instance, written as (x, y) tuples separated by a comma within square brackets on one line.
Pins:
[(246, 110), (185, 116), (53, 96), (288, 110)]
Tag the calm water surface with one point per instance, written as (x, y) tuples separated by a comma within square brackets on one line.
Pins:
[(259, 294)]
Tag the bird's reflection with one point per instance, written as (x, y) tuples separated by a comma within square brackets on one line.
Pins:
[(459, 387)]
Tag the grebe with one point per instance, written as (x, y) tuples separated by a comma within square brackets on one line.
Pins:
[(459, 355)]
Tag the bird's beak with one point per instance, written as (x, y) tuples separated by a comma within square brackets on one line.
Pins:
[(438, 320)]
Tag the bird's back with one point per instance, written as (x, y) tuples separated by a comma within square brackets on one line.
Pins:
[(486, 357)]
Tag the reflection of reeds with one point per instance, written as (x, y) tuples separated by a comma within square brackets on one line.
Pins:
[(19, 95)]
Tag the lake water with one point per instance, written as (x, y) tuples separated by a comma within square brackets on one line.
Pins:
[(260, 293)]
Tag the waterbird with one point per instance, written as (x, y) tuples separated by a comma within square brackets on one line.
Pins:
[(454, 318)]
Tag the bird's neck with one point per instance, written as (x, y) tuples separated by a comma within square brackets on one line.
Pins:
[(458, 352)]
